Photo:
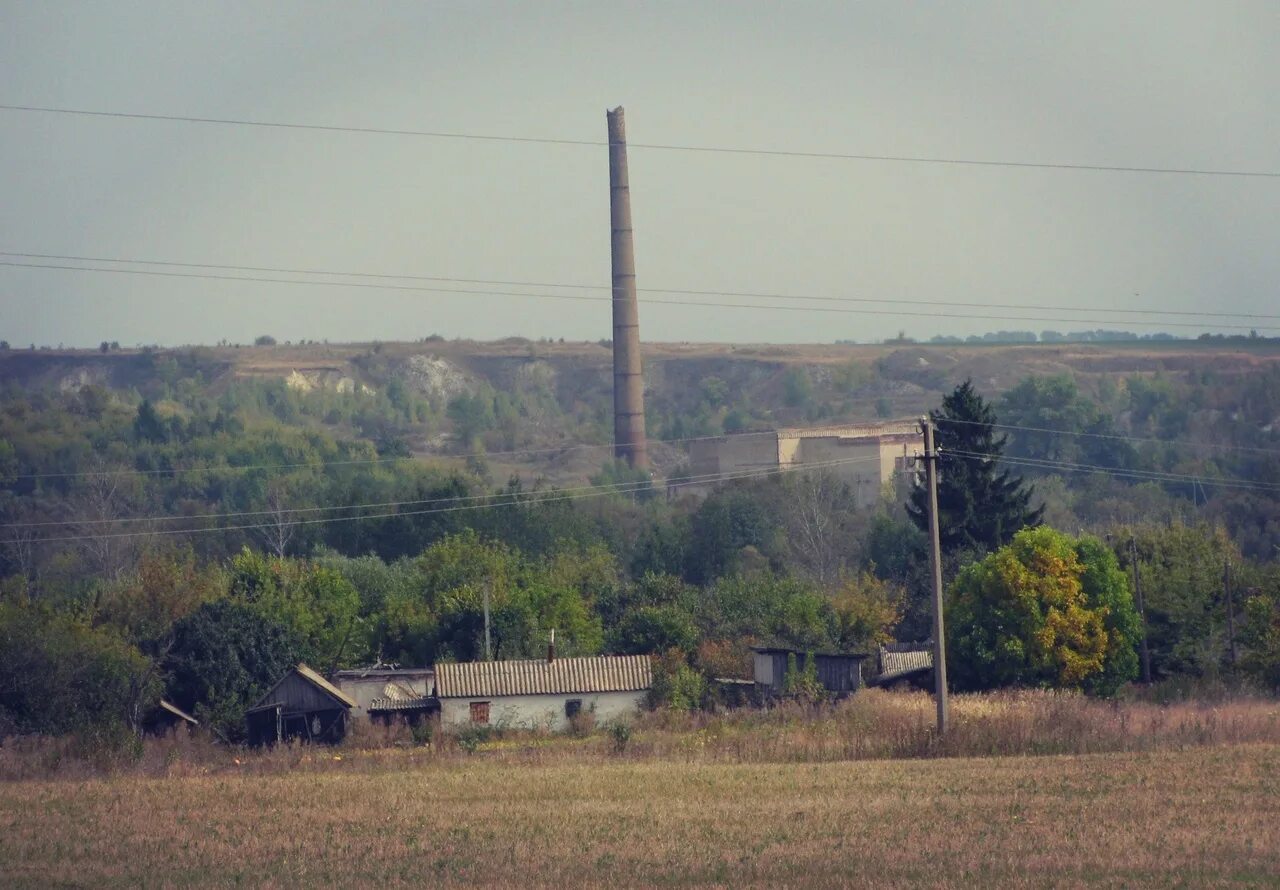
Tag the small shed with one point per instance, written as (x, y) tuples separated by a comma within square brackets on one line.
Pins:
[(541, 693), (390, 694), (302, 705), (840, 673), (166, 718), (905, 663)]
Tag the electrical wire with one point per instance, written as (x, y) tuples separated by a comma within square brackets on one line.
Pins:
[(244, 468), (1112, 436), (652, 290), (894, 313), (277, 512), (1143, 475), (705, 149), (591, 491)]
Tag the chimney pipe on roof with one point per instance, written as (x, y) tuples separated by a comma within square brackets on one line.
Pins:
[(551, 647)]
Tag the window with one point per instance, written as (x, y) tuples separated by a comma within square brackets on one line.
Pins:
[(479, 712), (573, 707)]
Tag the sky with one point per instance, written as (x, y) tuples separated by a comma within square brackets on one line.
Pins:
[(1150, 84)]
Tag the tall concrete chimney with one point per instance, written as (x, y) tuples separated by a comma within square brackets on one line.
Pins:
[(628, 382)]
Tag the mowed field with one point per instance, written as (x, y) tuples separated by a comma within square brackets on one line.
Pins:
[(1201, 816)]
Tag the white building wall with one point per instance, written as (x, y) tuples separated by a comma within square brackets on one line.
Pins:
[(365, 689), (541, 711)]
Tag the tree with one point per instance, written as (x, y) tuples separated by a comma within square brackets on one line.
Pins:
[(264, 340), (652, 629), (1046, 403), (147, 426), (1046, 610), (1181, 574), (224, 657), (58, 674), (978, 506), (866, 612)]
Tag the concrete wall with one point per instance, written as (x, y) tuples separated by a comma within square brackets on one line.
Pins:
[(874, 453), (365, 689), (733, 454), (541, 711)]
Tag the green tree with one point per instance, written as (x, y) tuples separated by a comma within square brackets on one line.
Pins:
[(59, 675), (225, 656), (147, 426), (1180, 568), (979, 506), (1260, 635), (650, 629), (867, 610), (1046, 610)]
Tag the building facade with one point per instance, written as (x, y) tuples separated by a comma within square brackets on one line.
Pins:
[(865, 456), (542, 694)]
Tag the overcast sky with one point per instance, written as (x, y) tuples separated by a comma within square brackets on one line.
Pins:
[(1187, 85)]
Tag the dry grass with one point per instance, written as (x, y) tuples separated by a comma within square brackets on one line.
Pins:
[(1183, 795), (873, 725), (1204, 816)]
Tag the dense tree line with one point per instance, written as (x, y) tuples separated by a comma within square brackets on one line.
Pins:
[(101, 614)]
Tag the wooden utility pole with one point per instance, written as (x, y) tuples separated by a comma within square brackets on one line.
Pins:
[(488, 652), (935, 562), (1231, 612), (1142, 611)]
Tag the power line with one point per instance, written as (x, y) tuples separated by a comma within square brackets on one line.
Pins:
[(514, 500), (653, 290), (313, 509), (704, 149), (244, 468), (1143, 475), (1113, 436), (896, 313)]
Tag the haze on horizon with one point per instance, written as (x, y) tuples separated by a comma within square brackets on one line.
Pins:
[(1144, 84)]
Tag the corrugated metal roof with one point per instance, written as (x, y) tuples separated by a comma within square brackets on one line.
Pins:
[(401, 704), (900, 664), (601, 673)]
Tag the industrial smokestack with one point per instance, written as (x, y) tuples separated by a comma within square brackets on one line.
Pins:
[(628, 382)]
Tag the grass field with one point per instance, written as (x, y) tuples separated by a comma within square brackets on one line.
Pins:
[(1194, 817)]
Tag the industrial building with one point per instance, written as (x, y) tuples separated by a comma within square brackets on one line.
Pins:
[(865, 456)]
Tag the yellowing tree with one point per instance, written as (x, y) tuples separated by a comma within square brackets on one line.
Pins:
[(1046, 610)]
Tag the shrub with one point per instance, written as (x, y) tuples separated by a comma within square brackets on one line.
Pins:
[(620, 733)]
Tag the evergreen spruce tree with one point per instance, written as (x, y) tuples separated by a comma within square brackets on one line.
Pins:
[(979, 507)]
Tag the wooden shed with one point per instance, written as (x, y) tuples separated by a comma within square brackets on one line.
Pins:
[(840, 673), (167, 718), (302, 705)]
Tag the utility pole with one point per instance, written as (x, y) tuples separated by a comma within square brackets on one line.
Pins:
[(935, 562), (1142, 611), (488, 653), (1231, 612)]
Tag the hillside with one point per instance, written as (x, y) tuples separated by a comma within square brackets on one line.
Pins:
[(562, 394)]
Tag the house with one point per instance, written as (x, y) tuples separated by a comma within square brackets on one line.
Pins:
[(540, 693), (840, 674), (302, 705), (387, 694), (166, 718), (905, 663)]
